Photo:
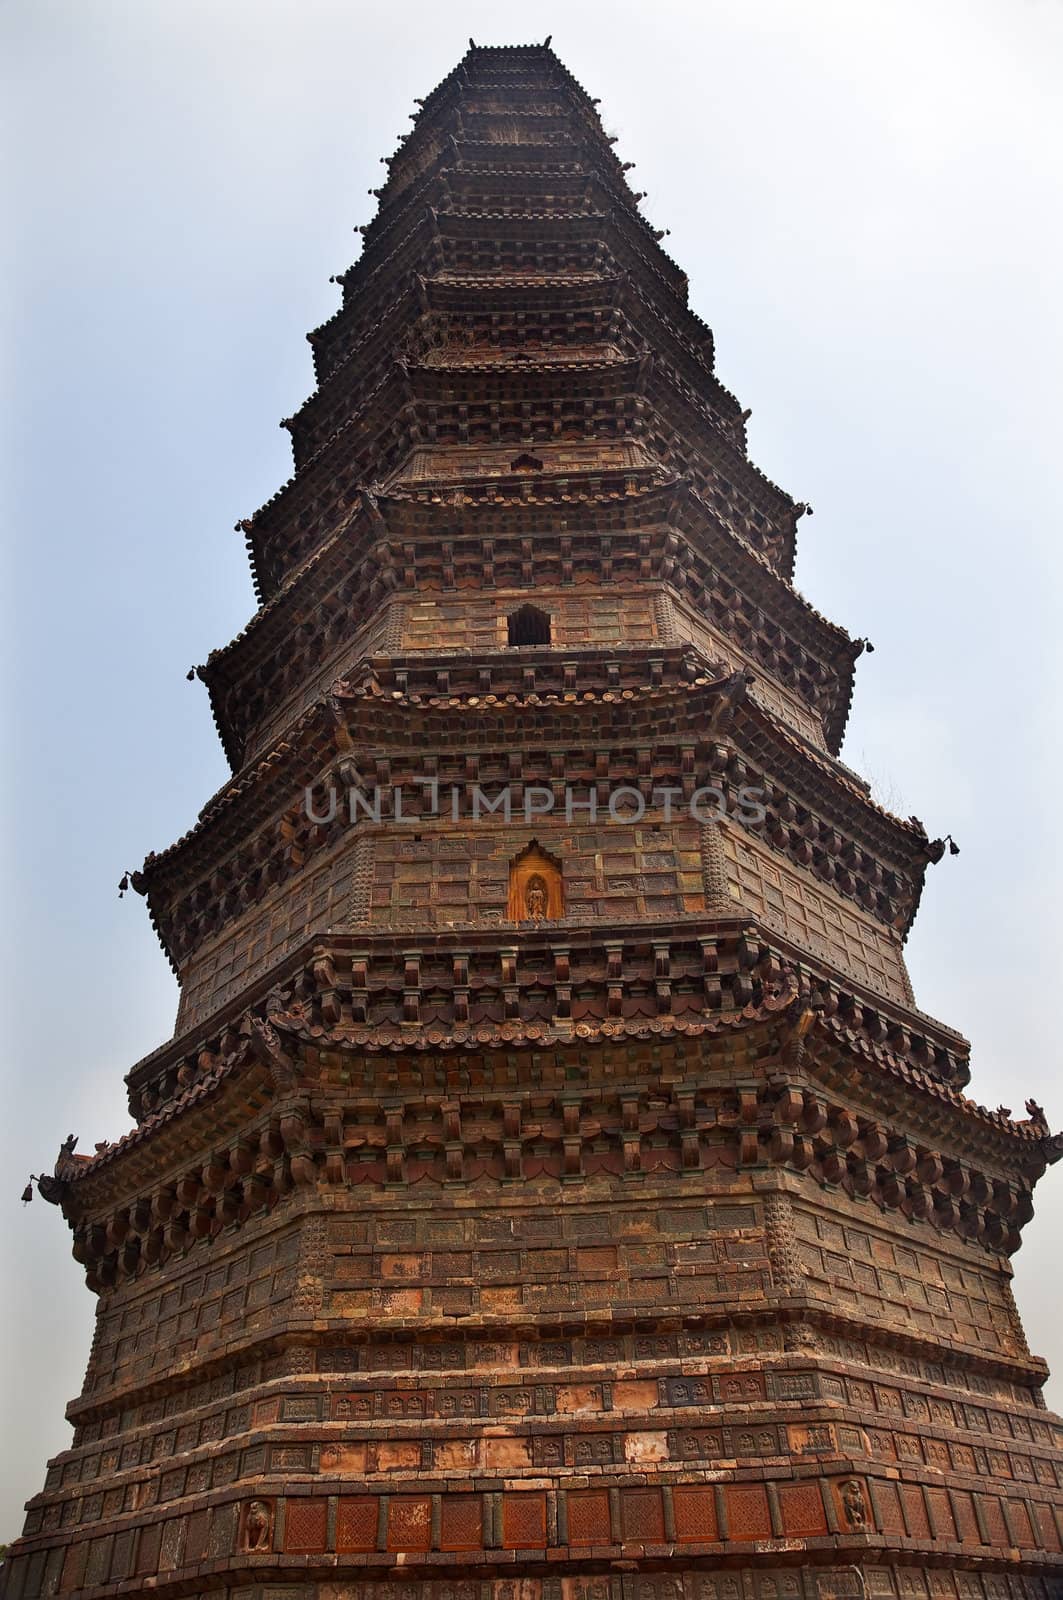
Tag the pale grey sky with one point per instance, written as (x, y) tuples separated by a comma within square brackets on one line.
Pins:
[(867, 200)]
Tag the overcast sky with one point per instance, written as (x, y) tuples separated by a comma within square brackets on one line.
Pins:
[(867, 200)]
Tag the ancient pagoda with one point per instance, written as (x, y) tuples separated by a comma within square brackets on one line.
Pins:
[(551, 1190)]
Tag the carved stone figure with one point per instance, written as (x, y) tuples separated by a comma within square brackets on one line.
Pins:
[(258, 1525), (854, 1504)]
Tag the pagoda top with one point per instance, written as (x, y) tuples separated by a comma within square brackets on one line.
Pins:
[(498, 55), (479, 61)]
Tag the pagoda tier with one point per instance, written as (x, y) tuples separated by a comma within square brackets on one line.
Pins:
[(595, 544), (551, 1190), (405, 426), (612, 749)]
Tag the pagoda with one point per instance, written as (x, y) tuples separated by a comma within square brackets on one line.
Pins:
[(551, 1190)]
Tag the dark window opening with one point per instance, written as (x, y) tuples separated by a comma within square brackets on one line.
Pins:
[(529, 625)]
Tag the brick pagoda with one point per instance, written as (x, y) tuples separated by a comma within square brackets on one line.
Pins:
[(551, 1190)]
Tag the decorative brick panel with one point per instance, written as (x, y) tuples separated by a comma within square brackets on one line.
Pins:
[(98, 1566), (967, 1529), (523, 1521), (317, 899), (1046, 1522), (76, 1560), (695, 1514), (461, 1522), (1021, 1526), (305, 1526), (802, 1510), (748, 1515), (578, 621), (642, 1515), (588, 1517), (148, 1546), (815, 917), (171, 1553), (409, 1522), (356, 1523), (993, 1515), (459, 875), (915, 1511), (196, 1537), (940, 1508)]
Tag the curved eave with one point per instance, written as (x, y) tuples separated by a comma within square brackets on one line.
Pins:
[(1031, 1136), (208, 1089), (909, 830), (294, 751), (403, 382), (454, 161), (619, 378), (848, 649), (832, 642), (1032, 1133), (214, 672)]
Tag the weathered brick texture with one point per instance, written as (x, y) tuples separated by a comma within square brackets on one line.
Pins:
[(565, 1202)]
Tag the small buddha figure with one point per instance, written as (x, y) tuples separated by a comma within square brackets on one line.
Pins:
[(535, 889), (535, 898)]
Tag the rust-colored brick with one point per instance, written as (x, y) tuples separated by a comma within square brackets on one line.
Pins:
[(551, 1191)]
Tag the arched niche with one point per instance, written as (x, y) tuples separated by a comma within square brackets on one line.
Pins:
[(528, 625), (536, 887)]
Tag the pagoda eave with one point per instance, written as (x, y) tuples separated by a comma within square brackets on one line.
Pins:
[(893, 1036), (380, 528)]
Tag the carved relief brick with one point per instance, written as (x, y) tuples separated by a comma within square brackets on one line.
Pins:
[(748, 1516), (409, 1522), (356, 1523), (523, 1521), (588, 1517), (305, 1525), (461, 1526), (642, 1515), (915, 1511), (695, 1514), (802, 1509)]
